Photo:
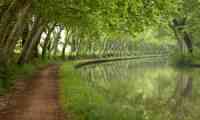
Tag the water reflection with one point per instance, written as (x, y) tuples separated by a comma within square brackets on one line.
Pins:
[(181, 101), (153, 90)]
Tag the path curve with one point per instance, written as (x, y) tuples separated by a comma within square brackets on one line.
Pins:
[(40, 100)]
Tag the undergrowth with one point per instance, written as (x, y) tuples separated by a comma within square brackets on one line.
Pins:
[(12, 72), (185, 60)]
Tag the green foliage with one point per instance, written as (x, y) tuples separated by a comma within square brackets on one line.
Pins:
[(5, 72), (107, 15), (181, 60)]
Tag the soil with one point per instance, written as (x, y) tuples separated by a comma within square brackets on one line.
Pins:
[(36, 98)]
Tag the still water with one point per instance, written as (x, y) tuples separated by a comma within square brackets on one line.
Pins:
[(130, 90)]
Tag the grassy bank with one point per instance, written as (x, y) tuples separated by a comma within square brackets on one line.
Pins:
[(185, 60)]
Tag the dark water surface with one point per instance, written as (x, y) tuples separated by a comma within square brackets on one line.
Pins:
[(143, 91)]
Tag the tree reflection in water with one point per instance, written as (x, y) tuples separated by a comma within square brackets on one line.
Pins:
[(154, 90)]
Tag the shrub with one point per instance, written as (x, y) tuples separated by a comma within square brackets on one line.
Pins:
[(179, 59)]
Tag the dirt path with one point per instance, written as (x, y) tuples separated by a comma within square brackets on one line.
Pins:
[(39, 101)]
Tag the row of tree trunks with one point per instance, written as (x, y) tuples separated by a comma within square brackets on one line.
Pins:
[(16, 29), (21, 31), (13, 30), (31, 40)]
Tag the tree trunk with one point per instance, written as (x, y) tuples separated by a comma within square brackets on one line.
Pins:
[(63, 50), (188, 42), (49, 49), (17, 26), (31, 41), (10, 42), (56, 42), (34, 52), (4, 37), (179, 40), (46, 42), (67, 37), (7, 16)]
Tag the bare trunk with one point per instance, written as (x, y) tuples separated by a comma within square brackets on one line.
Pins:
[(46, 42), (7, 16), (188, 42), (10, 42), (67, 37), (177, 26), (17, 26), (64, 49), (5, 35), (49, 49), (34, 52), (32, 44), (56, 43), (31, 41)]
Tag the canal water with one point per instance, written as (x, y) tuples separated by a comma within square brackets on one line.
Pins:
[(138, 90)]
